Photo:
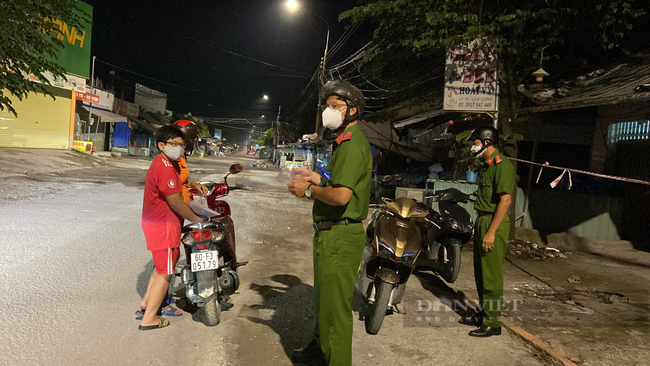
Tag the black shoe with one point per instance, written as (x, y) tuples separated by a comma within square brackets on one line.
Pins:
[(485, 331), (476, 320), (310, 355)]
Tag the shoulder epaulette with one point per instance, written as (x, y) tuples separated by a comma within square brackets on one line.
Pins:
[(345, 137), (498, 159)]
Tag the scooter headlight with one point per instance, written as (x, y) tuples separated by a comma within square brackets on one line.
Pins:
[(385, 251)]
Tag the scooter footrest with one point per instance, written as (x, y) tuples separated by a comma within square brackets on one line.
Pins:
[(241, 264)]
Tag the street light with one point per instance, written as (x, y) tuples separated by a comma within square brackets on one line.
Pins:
[(266, 97), (294, 6)]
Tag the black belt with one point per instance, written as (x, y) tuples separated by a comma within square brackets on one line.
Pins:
[(326, 225), (480, 213)]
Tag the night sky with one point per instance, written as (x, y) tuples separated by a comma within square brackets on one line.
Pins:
[(183, 43)]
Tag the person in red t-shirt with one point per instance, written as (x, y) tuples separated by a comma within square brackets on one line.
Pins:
[(163, 210)]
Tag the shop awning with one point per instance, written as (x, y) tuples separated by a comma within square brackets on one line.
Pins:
[(107, 116), (419, 118), (622, 83), (383, 135)]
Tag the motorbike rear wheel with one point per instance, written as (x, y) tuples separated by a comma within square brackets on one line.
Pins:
[(210, 314), (379, 308), (452, 267)]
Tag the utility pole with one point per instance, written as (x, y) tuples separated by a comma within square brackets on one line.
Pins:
[(276, 139), (92, 91)]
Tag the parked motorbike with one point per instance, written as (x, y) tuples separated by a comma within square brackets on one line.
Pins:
[(445, 233), (393, 244), (210, 274)]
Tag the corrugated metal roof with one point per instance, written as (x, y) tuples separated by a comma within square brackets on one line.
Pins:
[(418, 118), (601, 87)]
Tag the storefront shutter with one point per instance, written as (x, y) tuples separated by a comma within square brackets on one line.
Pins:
[(41, 123)]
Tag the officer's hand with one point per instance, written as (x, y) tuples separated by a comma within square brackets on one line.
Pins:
[(488, 242), (305, 175), (298, 188)]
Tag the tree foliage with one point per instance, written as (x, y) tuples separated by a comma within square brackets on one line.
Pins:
[(571, 32), (25, 44), (266, 138), (200, 125)]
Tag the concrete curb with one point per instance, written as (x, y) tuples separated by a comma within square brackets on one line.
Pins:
[(548, 352)]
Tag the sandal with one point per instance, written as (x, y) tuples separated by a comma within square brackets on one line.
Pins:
[(161, 324), (170, 311), (166, 311)]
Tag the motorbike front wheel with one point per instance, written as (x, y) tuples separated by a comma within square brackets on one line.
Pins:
[(379, 308), (452, 266), (210, 314)]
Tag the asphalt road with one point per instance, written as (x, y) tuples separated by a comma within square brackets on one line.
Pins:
[(74, 268)]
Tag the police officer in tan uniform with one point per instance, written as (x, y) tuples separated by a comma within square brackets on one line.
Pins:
[(496, 183)]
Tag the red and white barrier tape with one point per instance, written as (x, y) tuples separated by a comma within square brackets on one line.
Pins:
[(564, 170)]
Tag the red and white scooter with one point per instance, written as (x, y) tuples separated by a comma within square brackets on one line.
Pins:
[(210, 274)]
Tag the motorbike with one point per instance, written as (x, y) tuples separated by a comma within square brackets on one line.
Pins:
[(398, 232), (445, 233), (393, 244), (210, 274)]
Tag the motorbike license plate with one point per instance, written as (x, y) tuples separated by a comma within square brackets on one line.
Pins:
[(205, 261)]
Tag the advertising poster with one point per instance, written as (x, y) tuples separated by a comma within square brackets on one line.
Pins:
[(471, 83)]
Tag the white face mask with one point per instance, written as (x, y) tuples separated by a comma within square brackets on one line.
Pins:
[(174, 152), (477, 150), (332, 119)]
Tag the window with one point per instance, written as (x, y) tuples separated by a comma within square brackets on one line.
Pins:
[(624, 131)]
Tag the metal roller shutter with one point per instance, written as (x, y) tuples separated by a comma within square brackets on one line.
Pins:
[(42, 122)]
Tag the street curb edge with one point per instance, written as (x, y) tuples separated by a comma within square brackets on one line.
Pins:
[(529, 338)]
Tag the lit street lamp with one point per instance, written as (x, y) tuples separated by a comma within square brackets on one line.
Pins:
[(294, 6), (266, 97)]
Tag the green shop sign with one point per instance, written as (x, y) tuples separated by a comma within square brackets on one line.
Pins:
[(75, 55)]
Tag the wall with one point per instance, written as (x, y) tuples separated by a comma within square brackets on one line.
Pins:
[(549, 211)]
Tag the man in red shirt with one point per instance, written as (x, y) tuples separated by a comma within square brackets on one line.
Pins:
[(163, 210)]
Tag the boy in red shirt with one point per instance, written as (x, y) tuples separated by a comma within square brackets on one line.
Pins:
[(163, 210)]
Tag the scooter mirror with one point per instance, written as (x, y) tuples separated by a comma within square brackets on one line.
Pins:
[(236, 168)]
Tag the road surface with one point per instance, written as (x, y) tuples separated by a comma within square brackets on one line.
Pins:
[(74, 268)]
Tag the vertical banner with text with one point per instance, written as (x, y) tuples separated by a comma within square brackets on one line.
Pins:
[(471, 83)]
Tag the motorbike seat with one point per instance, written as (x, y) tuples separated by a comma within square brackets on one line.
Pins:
[(451, 195)]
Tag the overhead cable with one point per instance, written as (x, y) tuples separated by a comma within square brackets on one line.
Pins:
[(240, 55)]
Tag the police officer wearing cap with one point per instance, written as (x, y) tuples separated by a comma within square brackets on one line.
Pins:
[(496, 182), (340, 204)]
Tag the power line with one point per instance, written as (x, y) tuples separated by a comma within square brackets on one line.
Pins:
[(158, 80), (239, 55)]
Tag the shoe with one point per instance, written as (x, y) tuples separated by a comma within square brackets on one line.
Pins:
[(485, 331), (476, 320), (310, 355)]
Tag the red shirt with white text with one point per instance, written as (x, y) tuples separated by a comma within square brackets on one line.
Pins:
[(161, 225)]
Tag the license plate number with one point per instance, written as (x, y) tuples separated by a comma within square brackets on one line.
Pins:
[(205, 261)]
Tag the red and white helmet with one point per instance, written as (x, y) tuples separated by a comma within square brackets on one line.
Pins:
[(191, 132)]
